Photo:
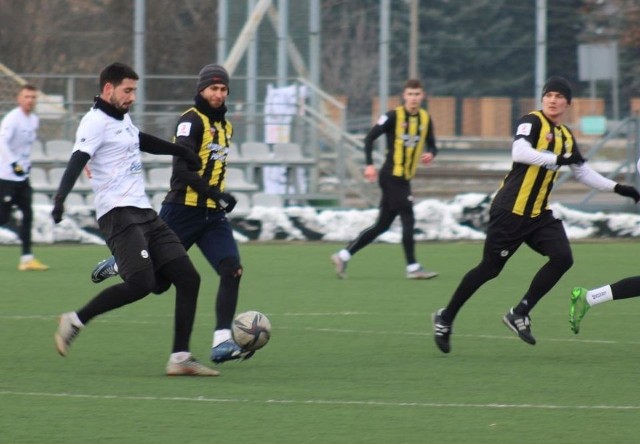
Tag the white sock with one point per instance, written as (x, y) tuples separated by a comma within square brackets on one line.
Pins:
[(219, 336), (26, 258), (413, 267), (75, 320), (179, 357), (344, 255), (599, 295)]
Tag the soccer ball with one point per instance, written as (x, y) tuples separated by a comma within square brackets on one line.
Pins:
[(251, 330)]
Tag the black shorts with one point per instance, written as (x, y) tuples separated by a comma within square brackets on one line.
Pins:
[(139, 239), (396, 193), (507, 231), (14, 192), (208, 228)]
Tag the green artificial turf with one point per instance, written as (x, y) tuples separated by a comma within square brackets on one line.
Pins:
[(349, 361)]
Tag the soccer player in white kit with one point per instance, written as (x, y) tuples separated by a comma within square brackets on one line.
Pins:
[(18, 131), (110, 144)]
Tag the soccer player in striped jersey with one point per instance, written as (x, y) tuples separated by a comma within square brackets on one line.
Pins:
[(410, 140), (520, 212)]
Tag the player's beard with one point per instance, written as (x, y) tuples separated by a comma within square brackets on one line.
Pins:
[(122, 107)]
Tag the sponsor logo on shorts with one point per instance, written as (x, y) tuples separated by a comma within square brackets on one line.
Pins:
[(144, 254), (504, 253)]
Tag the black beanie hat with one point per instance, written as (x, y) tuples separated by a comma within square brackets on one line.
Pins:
[(211, 74), (558, 84)]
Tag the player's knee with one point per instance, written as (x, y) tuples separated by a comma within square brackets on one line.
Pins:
[(408, 219), (184, 274), (563, 260), (490, 269), (142, 283), (230, 267), (162, 284)]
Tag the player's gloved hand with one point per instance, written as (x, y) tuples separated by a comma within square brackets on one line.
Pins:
[(226, 201), (627, 191), (570, 159), (17, 169), (58, 209), (194, 162)]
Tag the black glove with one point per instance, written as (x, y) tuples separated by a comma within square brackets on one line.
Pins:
[(225, 201), (627, 191), (17, 169), (58, 209), (574, 158), (194, 163)]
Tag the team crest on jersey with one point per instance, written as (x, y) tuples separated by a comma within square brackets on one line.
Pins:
[(212, 131), (184, 129), (549, 137), (524, 129)]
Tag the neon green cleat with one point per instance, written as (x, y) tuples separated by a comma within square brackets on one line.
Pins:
[(579, 308)]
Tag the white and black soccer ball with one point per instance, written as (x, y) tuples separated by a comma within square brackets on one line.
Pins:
[(251, 330)]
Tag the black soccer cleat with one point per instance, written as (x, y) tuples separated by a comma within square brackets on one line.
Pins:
[(104, 270), (521, 325), (441, 331)]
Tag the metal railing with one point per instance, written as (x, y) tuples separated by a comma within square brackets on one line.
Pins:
[(627, 130)]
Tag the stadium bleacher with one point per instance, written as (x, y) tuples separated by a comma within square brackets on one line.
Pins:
[(243, 175)]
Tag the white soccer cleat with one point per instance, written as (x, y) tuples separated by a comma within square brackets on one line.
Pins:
[(66, 333), (421, 273), (340, 266), (189, 367)]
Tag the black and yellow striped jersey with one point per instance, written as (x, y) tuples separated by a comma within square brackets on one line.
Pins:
[(209, 134), (407, 136), (526, 188)]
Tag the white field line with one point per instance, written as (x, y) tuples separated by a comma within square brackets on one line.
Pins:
[(154, 319), (345, 403)]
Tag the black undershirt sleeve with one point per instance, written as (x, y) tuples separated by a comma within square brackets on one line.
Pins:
[(74, 168)]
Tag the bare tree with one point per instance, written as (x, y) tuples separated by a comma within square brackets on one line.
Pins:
[(350, 51)]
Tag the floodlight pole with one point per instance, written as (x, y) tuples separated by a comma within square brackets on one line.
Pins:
[(223, 29), (384, 55), (541, 46), (139, 59), (413, 39)]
